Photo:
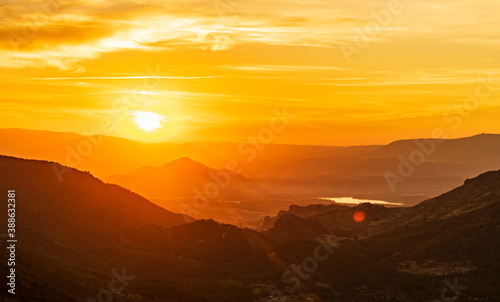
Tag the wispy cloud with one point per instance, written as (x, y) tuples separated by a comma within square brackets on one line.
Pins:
[(61, 34), (124, 78), (281, 68)]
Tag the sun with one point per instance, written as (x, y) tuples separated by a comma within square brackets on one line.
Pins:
[(148, 121)]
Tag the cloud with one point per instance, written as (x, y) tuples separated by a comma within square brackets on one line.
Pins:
[(40, 33), (123, 78), (281, 68)]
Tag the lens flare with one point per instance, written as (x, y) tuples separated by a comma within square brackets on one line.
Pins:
[(359, 216)]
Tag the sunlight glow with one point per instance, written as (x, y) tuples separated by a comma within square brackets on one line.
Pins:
[(148, 120)]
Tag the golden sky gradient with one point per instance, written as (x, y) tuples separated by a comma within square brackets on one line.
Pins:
[(352, 72)]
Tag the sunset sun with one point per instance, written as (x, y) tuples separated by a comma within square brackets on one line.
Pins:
[(148, 121)]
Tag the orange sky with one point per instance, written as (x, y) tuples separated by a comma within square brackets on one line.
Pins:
[(215, 70)]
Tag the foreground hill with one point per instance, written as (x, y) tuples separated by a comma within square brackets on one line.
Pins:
[(73, 233), (337, 219), (80, 196), (403, 254)]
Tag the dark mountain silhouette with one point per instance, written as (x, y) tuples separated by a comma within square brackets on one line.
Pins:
[(404, 254), (75, 232), (334, 219), (72, 233), (84, 196), (337, 219), (289, 227)]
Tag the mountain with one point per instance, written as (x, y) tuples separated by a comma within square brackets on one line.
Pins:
[(103, 155), (479, 149), (289, 227), (284, 174), (337, 219), (75, 233), (100, 154), (334, 220), (405, 254), (189, 187), (80, 233), (435, 167), (84, 196), (181, 178)]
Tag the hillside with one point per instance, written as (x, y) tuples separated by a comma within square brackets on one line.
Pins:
[(75, 232), (406, 253)]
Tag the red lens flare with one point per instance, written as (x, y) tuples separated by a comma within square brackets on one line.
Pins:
[(359, 216)]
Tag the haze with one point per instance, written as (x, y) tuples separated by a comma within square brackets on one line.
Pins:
[(216, 71)]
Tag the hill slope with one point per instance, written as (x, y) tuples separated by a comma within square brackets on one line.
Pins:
[(72, 234), (406, 253)]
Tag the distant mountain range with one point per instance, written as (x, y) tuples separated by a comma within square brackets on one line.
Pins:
[(479, 149), (190, 187), (107, 154), (268, 179), (74, 232), (477, 193), (180, 178)]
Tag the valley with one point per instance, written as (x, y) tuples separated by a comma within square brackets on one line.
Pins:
[(395, 253)]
